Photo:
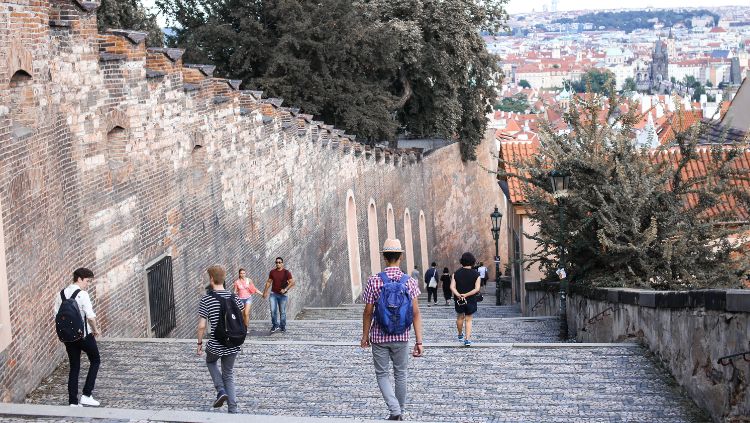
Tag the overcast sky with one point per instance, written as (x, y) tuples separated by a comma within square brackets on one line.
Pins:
[(516, 6)]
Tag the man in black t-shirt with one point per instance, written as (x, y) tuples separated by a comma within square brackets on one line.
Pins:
[(209, 310)]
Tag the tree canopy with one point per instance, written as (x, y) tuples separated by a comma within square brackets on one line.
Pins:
[(518, 103), (129, 14), (595, 81), (374, 68), (636, 216)]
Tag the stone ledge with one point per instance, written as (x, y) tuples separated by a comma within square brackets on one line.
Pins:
[(732, 300), (553, 286), (124, 414)]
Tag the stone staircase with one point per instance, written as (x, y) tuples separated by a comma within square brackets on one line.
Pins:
[(515, 372)]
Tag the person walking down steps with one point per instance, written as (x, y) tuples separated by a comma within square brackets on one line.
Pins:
[(391, 307), (221, 312), (445, 279), (465, 284), (76, 326), (431, 279)]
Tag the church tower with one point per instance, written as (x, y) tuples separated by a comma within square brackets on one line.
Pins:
[(659, 64), (671, 45)]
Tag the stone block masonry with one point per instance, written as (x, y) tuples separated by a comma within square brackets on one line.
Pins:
[(689, 331), (113, 156)]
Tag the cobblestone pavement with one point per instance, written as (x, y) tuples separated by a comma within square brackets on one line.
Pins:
[(284, 375), (443, 330), (614, 383), (434, 312)]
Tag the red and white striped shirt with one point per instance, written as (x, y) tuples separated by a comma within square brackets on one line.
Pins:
[(371, 295)]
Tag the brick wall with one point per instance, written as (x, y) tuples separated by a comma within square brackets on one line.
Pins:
[(112, 156)]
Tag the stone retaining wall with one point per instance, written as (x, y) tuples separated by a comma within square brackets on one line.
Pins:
[(542, 299), (688, 331)]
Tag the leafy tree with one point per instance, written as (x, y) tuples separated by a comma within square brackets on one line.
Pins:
[(628, 218), (629, 85), (373, 68), (595, 81), (524, 84), (518, 103), (129, 14), (698, 89)]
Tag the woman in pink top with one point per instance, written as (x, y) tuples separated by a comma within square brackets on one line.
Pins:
[(245, 288)]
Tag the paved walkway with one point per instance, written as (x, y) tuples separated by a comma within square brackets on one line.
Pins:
[(517, 372)]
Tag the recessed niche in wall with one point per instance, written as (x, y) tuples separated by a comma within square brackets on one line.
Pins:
[(374, 237), (117, 143), (352, 241), (21, 104), (409, 243)]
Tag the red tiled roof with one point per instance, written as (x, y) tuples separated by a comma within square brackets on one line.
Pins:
[(678, 122), (698, 168), (513, 152)]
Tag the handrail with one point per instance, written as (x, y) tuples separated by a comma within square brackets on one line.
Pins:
[(728, 359), (599, 316), (538, 303)]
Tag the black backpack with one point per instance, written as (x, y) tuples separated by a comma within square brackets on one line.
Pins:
[(230, 330), (69, 323)]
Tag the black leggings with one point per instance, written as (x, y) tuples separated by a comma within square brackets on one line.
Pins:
[(447, 294), (431, 292)]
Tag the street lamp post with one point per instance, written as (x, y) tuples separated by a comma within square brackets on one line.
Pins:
[(497, 217), (560, 182)]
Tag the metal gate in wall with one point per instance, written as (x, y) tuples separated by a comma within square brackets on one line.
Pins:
[(161, 297)]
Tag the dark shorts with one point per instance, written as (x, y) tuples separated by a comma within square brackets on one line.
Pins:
[(468, 309)]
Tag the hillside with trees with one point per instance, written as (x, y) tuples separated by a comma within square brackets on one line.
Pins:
[(631, 20)]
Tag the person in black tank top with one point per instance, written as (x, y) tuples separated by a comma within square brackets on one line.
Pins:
[(465, 284)]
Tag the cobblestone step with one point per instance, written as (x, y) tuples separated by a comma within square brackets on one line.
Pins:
[(613, 383), (354, 312), (435, 330)]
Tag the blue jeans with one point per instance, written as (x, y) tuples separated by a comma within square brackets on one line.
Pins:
[(278, 303)]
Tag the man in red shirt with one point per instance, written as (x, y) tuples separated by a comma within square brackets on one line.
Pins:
[(280, 281)]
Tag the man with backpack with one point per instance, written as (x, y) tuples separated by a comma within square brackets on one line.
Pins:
[(391, 307), (222, 310), (431, 279), (76, 327)]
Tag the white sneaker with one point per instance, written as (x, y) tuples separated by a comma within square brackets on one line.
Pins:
[(76, 405), (89, 401)]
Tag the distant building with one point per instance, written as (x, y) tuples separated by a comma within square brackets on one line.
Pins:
[(659, 64), (735, 74)]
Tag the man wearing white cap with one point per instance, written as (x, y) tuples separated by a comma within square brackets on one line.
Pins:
[(385, 325)]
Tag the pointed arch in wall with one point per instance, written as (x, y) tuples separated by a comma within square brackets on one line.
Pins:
[(6, 334), (373, 236), (409, 243), (423, 248), (22, 104), (117, 143), (352, 242), (390, 222)]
